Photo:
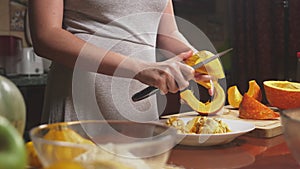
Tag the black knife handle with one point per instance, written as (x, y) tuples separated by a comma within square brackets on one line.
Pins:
[(144, 93)]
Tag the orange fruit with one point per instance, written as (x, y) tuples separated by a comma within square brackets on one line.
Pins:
[(251, 108), (282, 94), (234, 96), (33, 159)]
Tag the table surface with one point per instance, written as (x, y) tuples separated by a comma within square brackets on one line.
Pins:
[(246, 152)]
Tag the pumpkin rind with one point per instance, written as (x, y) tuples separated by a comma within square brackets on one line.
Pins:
[(251, 108)]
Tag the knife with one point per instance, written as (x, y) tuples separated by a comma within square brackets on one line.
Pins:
[(149, 91)]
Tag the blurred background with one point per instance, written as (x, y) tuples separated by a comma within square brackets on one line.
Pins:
[(264, 34)]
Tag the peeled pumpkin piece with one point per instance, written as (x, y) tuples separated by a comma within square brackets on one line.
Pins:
[(33, 159), (251, 108), (205, 108), (65, 134)]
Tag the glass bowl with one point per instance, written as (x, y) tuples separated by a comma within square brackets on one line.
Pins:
[(290, 120), (92, 144)]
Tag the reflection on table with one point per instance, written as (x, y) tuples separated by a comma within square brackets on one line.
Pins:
[(245, 152)]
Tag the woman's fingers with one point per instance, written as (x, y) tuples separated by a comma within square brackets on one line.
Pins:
[(206, 78), (202, 77)]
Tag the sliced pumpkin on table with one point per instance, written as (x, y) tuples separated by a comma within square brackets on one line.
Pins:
[(214, 69), (235, 97), (254, 90), (251, 108)]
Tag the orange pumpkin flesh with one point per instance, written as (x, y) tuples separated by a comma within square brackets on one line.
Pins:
[(205, 108), (213, 68), (235, 97), (254, 90), (251, 108), (282, 94)]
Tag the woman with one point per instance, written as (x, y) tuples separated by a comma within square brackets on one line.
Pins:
[(115, 39)]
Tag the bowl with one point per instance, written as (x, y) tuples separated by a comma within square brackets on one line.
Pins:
[(92, 144), (290, 120), (282, 94)]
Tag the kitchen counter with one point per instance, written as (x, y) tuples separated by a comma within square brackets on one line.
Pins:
[(29, 80)]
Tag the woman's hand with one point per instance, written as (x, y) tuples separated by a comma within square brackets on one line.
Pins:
[(169, 76), (205, 78)]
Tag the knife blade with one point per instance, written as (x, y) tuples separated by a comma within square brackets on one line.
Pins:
[(149, 91)]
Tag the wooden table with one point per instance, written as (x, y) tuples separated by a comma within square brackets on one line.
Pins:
[(244, 152)]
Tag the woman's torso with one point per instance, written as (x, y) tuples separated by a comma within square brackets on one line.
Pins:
[(123, 26)]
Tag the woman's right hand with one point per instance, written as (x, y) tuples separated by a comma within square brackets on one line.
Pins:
[(169, 76)]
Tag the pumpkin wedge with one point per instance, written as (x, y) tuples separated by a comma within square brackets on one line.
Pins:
[(254, 90), (213, 68), (235, 97), (251, 108)]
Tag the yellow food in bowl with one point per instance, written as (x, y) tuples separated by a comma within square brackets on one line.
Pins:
[(199, 125)]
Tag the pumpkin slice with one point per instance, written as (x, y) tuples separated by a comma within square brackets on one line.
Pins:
[(254, 90), (234, 96), (205, 108), (283, 94), (60, 132), (213, 68), (251, 108)]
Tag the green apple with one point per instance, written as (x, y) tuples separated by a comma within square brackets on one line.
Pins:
[(12, 148), (12, 105)]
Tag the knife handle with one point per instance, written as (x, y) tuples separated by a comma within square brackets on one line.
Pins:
[(149, 91)]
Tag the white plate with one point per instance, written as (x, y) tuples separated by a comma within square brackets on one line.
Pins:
[(237, 128)]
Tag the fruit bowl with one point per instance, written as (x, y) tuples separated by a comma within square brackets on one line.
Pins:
[(290, 120), (96, 144)]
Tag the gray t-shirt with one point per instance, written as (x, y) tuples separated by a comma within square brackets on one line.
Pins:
[(124, 26)]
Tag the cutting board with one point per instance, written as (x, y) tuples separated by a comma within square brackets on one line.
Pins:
[(263, 128)]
